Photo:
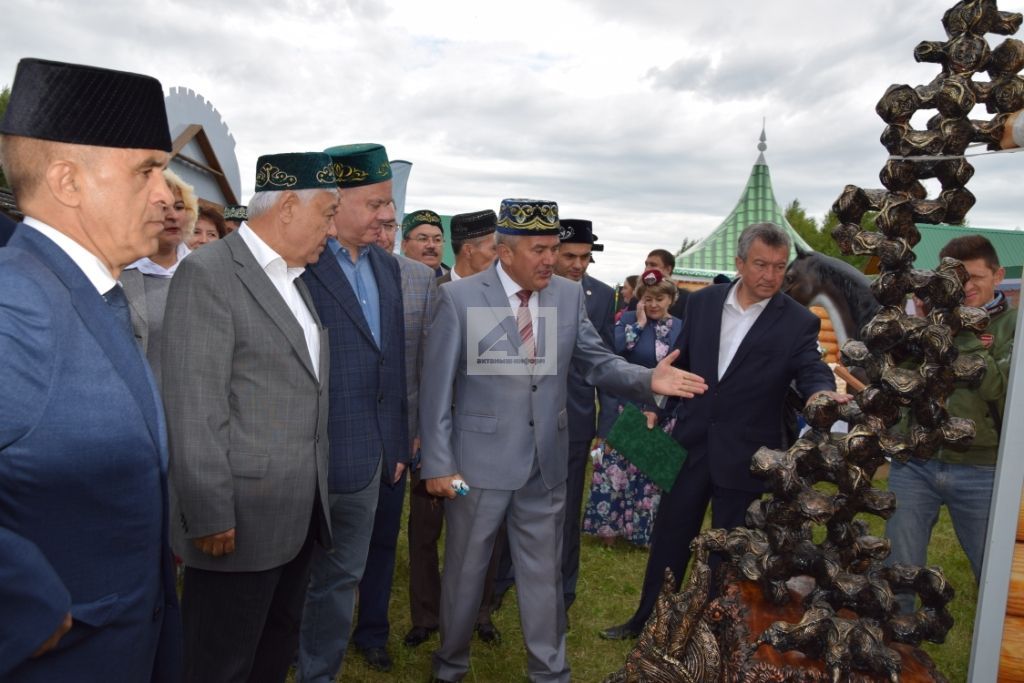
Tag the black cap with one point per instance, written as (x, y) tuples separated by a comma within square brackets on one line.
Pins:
[(86, 105), (467, 226), (579, 231)]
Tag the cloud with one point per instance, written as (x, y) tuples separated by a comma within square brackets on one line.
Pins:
[(643, 117)]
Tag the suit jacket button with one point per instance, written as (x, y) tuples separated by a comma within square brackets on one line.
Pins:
[(157, 611), (531, 423), (380, 398), (534, 387)]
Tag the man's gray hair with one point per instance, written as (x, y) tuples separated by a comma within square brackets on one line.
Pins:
[(509, 241), (474, 241), (262, 202), (771, 234)]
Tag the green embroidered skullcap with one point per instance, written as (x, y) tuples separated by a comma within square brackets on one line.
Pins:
[(528, 217), (417, 218), (294, 171), (362, 164)]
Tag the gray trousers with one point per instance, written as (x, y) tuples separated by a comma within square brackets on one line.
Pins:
[(535, 517)]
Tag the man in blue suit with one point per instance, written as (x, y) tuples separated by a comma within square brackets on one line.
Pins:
[(357, 290), (87, 587), (750, 341), (578, 242)]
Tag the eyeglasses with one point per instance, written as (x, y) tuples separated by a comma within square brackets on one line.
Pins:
[(427, 239)]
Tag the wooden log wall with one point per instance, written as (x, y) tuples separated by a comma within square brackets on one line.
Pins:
[(1011, 658)]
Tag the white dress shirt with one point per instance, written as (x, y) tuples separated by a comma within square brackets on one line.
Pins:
[(283, 279), (455, 276), (148, 266), (93, 268), (736, 323), (511, 291)]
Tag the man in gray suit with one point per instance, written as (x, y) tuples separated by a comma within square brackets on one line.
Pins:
[(492, 415), (245, 374)]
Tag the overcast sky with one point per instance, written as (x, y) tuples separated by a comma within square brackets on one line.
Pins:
[(642, 116)]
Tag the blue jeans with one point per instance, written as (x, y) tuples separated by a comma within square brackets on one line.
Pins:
[(921, 488), (334, 578)]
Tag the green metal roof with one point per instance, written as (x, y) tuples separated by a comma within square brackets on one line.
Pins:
[(716, 253), (1009, 244)]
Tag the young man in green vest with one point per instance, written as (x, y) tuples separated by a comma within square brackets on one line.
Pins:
[(960, 478)]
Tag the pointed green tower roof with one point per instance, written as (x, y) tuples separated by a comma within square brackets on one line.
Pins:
[(716, 253)]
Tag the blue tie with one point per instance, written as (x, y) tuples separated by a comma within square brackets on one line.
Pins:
[(118, 302)]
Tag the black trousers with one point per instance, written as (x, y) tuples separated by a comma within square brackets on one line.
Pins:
[(680, 516), (426, 520), (575, 486), (244, 626)]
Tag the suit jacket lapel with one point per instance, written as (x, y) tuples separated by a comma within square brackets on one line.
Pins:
[(135, 291), (714, 334), (330, 274), (589, 300), (771, 313), (269, 299), (494, 295), (102, 323), (389, 295), (325, 349)]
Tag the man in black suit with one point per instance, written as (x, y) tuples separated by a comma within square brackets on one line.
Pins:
[(750, 341), (578, 242)]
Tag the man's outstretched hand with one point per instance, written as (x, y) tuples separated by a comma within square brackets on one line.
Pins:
[(670, 381)]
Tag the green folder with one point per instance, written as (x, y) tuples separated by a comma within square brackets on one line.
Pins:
[(654, 452)]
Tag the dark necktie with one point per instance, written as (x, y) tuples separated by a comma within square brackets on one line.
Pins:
[(525, 323), (118, 302)]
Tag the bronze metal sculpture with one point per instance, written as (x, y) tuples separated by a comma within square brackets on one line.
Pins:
[(792, 608)]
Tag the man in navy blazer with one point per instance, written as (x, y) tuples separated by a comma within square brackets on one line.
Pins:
[(750, 341), (357, 290), (586, 422), (87, 587)]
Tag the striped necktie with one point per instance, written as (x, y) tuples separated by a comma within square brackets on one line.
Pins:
[(525, 323)]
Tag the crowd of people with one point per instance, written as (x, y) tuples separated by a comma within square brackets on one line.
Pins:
[(247, 392)]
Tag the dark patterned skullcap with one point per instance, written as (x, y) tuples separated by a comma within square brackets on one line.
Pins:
[(86, 105), (528, 217)]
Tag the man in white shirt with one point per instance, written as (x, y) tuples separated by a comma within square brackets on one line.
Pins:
[(245, 365), (750, 341)]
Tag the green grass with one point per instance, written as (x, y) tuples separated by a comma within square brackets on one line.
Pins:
[(607, 594)]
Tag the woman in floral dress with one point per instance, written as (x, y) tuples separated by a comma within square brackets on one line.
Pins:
[(623, 501)]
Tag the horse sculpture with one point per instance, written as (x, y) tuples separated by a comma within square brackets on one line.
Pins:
[(814, 279)]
